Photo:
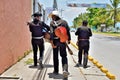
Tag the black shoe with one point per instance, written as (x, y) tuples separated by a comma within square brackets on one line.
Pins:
[(84, 66), (78, 65), (40, 64), (54, 72), (65, 74), (35, 65)]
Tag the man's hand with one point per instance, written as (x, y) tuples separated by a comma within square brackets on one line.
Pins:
[(68, 42), (53, 46), (28, 23)]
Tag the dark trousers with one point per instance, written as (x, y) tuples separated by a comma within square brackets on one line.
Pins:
[(62, 48), (83, 47), (37, 44)]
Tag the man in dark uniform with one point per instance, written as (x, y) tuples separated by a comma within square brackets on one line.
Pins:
[(59, 46), (36, 28), (83, 34)]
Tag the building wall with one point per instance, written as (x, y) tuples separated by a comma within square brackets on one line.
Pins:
[(14, 33)]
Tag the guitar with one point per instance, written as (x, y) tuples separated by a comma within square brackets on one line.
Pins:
[(61, 32)]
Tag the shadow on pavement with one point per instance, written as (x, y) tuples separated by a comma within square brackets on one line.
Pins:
[(44, 65), (47, 66), (32, 66), (82, 66), (54, 76)]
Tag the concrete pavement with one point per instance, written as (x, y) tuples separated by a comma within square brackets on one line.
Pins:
[(28, 72)]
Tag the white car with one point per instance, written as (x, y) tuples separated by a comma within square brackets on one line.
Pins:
[(72, 29)]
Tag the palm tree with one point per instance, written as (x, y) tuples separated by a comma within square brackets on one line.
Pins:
[(78, 20), (114, 9)]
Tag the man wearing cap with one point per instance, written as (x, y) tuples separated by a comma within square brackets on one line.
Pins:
[(60, 46), (83, 33), (36, 28)]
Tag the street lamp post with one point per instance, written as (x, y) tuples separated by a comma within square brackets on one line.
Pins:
[(41, 10), (34, 1), (61, 10)]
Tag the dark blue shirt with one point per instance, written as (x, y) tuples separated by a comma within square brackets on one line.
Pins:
[(83, 32), (37, 29)]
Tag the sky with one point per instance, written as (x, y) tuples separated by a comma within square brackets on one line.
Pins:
[(69, 13)]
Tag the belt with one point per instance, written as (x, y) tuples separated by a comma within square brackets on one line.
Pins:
[(37, 37), (83, 39), (56, 37)]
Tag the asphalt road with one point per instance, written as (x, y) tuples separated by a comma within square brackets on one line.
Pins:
[(106, 49)]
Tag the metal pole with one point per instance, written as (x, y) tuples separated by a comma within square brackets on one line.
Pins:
[(34, 1), (43, 15), (61, 10), (40, 7)]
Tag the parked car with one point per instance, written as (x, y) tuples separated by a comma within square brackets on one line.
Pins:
[(72, 29)]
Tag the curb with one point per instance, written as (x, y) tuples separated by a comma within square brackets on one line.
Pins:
[(96, 63), (13, 78)]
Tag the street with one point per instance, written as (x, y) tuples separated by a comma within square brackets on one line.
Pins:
[(105, 49)]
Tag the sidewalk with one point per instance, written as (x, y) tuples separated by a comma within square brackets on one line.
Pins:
[(27, 72)]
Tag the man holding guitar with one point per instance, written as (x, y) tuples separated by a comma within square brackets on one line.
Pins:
[(60, 35)]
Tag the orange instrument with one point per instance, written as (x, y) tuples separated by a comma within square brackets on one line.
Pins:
[(61, 32)]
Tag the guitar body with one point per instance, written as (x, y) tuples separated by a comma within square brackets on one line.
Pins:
[(61, 32)]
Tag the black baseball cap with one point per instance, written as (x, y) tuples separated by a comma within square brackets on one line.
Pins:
[(37, 14)]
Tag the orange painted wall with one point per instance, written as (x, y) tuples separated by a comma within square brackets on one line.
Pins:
[(14, 33)]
